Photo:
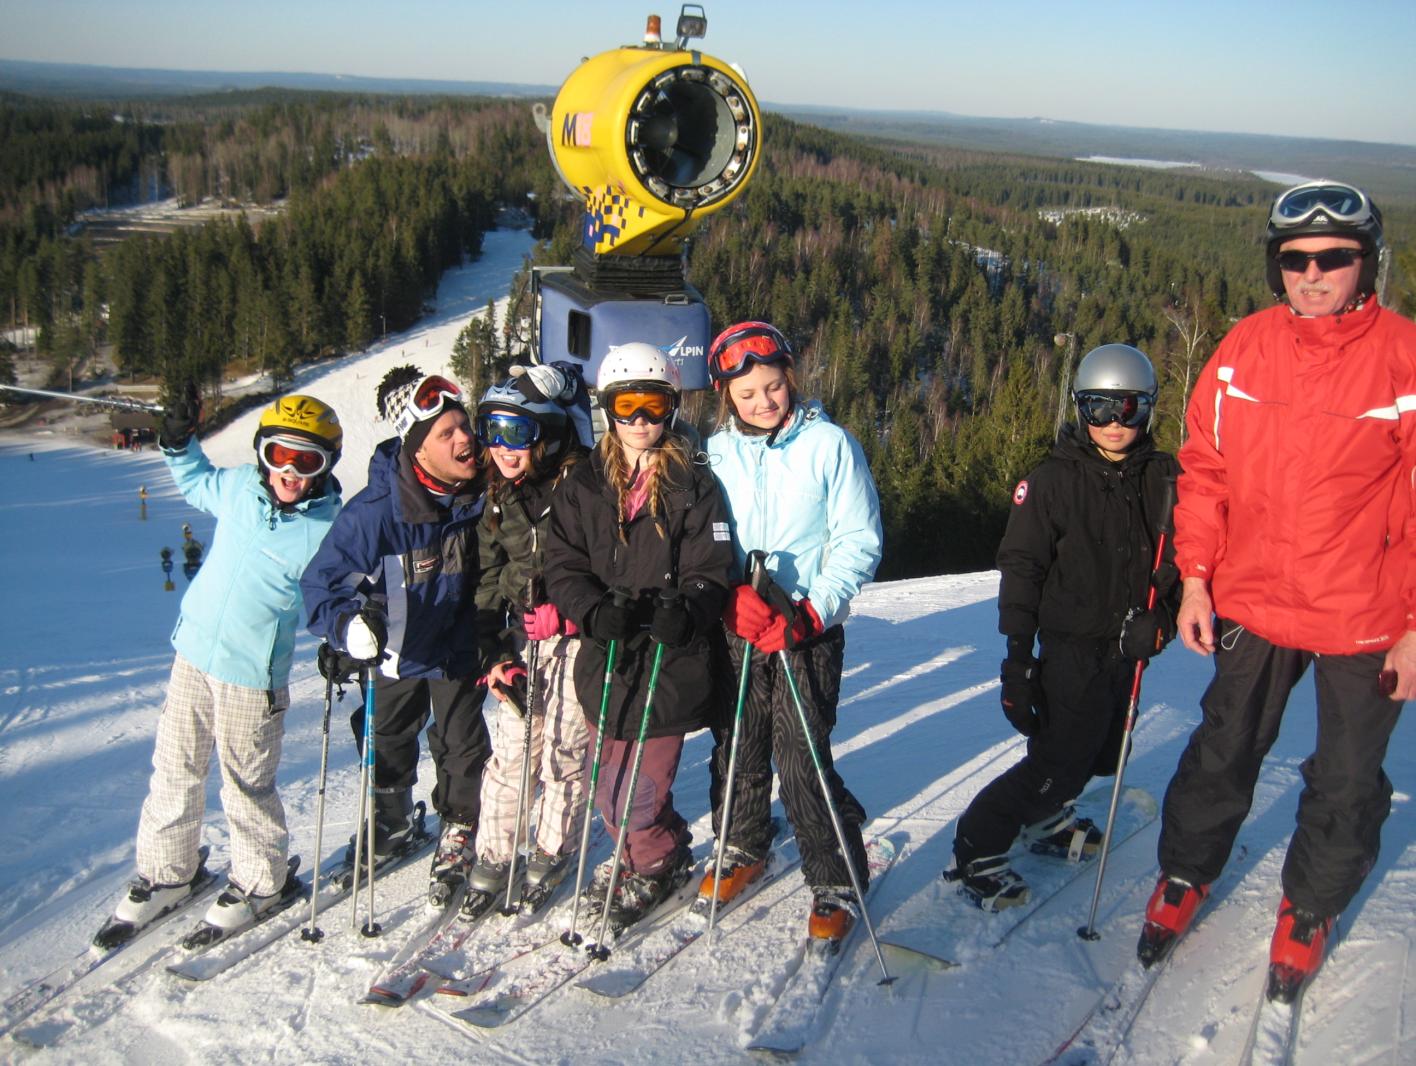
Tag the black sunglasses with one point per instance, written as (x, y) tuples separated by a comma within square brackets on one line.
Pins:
[(1328, 260)]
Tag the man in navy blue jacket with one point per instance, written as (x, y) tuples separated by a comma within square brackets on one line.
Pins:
[(393, 585)]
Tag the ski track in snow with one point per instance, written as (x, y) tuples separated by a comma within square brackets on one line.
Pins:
[(83, 668)]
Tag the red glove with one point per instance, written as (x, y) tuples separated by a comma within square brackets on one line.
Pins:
[(513, 689), (747, 613), (542, 622), (773, 637)]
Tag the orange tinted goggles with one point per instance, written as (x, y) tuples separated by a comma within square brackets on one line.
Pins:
[(629, 404)]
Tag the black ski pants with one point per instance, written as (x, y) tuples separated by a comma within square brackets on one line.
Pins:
[(458, 739), (771, 730), (1087, 688), (1346, 795)]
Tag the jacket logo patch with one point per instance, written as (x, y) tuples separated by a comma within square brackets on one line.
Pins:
[(720, 531), (425, 566), (1021, 492)]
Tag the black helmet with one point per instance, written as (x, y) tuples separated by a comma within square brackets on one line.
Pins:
[(1325, 209)]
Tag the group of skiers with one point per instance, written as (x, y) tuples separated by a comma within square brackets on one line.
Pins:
[(610, 594), (601, 590)]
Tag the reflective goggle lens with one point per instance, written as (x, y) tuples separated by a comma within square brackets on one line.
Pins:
[(1131, 409), (289, 457), (1342, 203), (736, 354), (1328, 260), (508, 431), (627, 405), (433, 391)]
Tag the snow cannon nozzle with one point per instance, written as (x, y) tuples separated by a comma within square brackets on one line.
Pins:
[(653, 137)]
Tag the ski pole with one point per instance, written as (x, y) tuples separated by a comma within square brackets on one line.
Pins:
[(314, 934), (779, 599), (523, 797), (571, 938), (755, 561), (1167, 527), (366, 806), (600, 950)]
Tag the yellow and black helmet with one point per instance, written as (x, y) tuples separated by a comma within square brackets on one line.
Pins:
[(305, 418)]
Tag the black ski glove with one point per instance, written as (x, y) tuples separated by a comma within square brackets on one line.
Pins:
[(1021, 696), (336, 666), (613, 617), (672, 624), (179, 420), (1145, 633)]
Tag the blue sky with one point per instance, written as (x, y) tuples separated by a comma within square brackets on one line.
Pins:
[(1273, 67)]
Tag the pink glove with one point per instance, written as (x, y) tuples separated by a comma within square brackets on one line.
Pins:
[(542, 622)]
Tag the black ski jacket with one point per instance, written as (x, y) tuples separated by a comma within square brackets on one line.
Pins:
[(693, 552), (1080, 542)]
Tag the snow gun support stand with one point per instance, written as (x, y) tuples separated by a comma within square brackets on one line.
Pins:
[(600, 950), (571, 937), (1167, 528), (365, 823), (777, 597)]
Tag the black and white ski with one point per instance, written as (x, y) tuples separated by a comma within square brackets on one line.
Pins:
[(791, 1021), (507, 991), (628, 969), (37, 995), (337, 877), (206, 935), (949, 932)]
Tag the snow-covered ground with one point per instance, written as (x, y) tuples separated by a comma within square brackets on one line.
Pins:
[(83, 663)]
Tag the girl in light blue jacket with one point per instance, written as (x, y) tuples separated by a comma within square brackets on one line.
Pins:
[(234, 640), (799, 490)]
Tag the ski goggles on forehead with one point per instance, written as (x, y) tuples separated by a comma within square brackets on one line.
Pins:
[(739, 352), (427, 400), (1341, 203), (287, 455), (1130, 409), (629, 404), (508, 430)]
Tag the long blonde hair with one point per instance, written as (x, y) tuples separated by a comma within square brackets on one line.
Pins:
[(671, 469)]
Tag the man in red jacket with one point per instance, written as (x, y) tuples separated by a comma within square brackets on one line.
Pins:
[(1296, 542)]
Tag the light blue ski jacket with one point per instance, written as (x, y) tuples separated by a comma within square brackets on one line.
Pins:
[(807, 499), (240, 614)]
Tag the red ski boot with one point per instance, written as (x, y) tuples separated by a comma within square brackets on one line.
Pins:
[(1299, 943), (1169, 913)]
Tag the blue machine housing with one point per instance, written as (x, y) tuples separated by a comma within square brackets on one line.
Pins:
[(580, 324)]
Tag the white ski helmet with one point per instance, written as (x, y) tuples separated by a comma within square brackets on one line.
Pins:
[(637, 364)]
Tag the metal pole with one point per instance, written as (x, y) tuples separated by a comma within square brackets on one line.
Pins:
[(570, 937), (523, 798), (835, 815), (314, 934), (1167, 525), (726, 820), (102, 401), (600, 950)]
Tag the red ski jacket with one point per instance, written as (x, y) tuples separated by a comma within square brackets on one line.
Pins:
[(1297, 501)]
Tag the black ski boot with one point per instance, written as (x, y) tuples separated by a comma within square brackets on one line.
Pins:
[(640, 893), (989, 883)]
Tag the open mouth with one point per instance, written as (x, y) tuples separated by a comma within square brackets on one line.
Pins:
[(464, 457)]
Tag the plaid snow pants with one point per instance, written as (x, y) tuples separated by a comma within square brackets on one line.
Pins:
[(246, 727), (559, 736)]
